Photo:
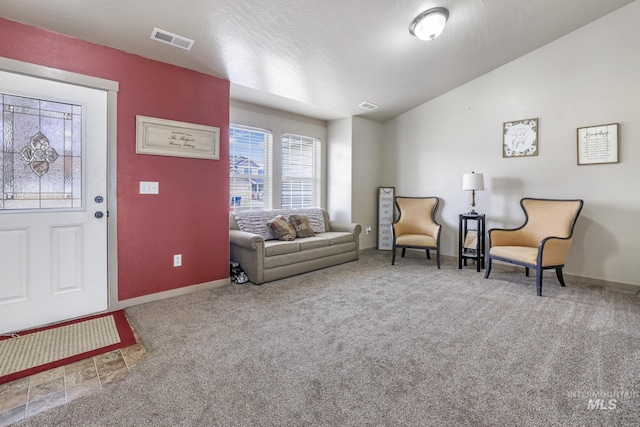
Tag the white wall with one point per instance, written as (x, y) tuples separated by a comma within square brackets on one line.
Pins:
[(279, 122), (339, 169), (354, 159), (589, 77), (367, 161)]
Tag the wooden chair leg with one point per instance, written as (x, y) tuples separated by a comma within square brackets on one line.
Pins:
[(438, 258), (559, 274), (539, 281), (428, 254), (393, 255), (487, 268), (403, 251), (526, 271)]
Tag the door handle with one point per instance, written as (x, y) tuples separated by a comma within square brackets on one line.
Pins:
[(98, 214)]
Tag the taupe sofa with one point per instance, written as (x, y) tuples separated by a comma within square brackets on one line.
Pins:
[(264, 258)]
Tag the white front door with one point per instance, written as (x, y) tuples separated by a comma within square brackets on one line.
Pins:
[(53, 207)]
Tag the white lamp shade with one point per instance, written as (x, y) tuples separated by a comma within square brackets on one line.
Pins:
[(472, 181), (428, 25)]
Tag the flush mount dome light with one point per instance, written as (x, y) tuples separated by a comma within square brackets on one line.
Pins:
[(429, 24)]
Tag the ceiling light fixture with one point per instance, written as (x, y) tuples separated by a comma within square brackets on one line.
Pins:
[(429, 24)]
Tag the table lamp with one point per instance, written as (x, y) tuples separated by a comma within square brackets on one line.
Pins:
[(472, 182)]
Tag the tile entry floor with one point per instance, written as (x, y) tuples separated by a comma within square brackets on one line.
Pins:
[(30, 395)]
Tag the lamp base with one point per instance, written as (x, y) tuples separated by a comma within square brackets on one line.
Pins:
[(473, 203)]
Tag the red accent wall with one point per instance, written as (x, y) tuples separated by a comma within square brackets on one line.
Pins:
[(190, 215)]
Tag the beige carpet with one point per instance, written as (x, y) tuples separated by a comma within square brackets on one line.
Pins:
[(370, 344)]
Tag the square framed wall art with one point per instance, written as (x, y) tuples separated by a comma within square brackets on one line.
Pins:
[(520, 138)]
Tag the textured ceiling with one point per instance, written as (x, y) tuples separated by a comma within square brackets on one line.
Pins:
[(321, 58)]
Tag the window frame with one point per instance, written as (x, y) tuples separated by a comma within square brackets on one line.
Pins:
[(262, 198), (313, 176), (272, 174)]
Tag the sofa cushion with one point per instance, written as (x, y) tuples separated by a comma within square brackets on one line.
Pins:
[(307, 256), (313, 243), (302, 225), (280, 247), (281, 228), (337, 237), (256, 221)]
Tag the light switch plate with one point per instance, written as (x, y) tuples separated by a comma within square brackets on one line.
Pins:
[(148, 187)]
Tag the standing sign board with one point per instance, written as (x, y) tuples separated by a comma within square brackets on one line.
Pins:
[(385, 218)]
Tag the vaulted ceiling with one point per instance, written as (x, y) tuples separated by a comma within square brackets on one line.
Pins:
[(321, 58)]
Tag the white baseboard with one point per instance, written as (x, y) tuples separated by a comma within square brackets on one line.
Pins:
[(172, 293), (600, 282)]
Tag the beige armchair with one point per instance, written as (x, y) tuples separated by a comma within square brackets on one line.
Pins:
[(542, 242), (416, 226)]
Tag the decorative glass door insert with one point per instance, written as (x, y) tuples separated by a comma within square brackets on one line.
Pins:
[(41, 157)]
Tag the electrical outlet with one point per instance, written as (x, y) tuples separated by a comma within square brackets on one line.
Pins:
[(368, 230), (177, 260)]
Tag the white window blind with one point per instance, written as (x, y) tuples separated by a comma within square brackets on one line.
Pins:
[(249, 177), (301, 174)]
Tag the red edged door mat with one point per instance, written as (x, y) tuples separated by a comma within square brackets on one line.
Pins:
[(36, 350)]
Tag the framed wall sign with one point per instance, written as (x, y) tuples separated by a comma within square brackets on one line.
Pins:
[(385, 218), (598, 144), (520, 138), (170, 138)]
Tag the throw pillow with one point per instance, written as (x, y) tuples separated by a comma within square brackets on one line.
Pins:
[(281, 228), (301, 225)]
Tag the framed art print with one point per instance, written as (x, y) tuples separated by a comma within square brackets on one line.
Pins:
[(163, 137), (520, 138), (598, 144)]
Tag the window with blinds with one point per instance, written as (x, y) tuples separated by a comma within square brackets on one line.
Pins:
[(301, 174), (249, 180)]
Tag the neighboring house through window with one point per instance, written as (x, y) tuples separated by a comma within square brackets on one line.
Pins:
[(247, 162)]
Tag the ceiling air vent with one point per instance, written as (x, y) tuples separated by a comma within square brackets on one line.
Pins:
[(172, 39), (368, 106)]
